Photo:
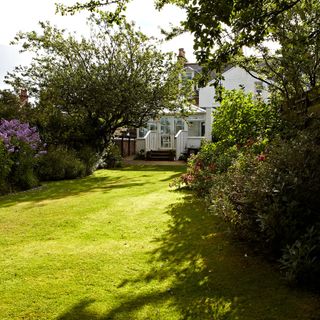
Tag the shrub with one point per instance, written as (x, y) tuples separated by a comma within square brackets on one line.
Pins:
[(60, 163), (213, 158), (89, 158), (273, 200), (240, 118), (241, 123), (21, 145), (300, 261), (5, 168), (140, 155)]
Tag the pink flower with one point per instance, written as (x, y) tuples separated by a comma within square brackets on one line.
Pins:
[(261, 157)]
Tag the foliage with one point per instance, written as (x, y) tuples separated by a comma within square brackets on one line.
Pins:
[(140, 155), (220, 28), (5, 168), (13, 133), (240, 123), (21, 147), (242, 118), (273, 200), (213, 158), (59, 164), (293, 68), (9, 105), (113, 16), (89, 158), (300, 261), (112, 157), (264, 181), (117, 77), (12, 108)]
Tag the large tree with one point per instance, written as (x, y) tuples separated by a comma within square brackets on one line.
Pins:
[(223, 27), (294, 67), (116, 77), (220, 27), (9, 105)]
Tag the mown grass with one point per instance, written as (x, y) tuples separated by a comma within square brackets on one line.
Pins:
[(121, 245)]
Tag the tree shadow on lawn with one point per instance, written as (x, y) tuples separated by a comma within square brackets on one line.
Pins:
[(54, 190), (152, 167), (209, 276)]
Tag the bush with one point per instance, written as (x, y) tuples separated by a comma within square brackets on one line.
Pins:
[(5, 168), (20, 147), (213, 158), (241, 123), (300, 261), (273, 200), (240, 118), (23, 173), (89, 158), (59, 164)]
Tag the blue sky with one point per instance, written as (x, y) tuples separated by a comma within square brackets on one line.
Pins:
[(23, 15)]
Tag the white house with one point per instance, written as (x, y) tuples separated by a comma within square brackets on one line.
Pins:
[(171, 132), (234, 78), (182, 135)]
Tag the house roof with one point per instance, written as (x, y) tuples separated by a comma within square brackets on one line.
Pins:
[(190, 109), (197, 69), (193, 66)]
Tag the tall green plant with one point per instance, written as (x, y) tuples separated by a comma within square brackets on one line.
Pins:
[(242, 118)]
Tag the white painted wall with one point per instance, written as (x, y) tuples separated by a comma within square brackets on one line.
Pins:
[(209, 120), (233, 78)]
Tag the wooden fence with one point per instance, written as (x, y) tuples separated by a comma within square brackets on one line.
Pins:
[(126, 145)]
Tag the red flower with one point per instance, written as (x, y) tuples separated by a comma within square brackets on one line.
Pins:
[(261, 157)]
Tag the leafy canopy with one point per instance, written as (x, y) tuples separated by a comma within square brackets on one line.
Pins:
[(116, 77), (294, 67), (220, 27), (9, 104)]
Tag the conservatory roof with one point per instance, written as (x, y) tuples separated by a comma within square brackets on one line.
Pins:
[(188, 109)]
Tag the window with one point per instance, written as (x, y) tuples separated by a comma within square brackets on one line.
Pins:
[(258, 86), (178, 125), (189, 75), (142, 132), (166, 125), (196, 128), (150, 126)]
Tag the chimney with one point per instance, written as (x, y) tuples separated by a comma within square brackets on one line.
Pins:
[(23, 96), (182, 55)]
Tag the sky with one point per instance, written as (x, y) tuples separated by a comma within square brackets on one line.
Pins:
[(22, 15)]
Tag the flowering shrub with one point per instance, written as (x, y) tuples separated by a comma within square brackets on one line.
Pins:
[(241, 123), (273, 201), (21, 145), (213, 158), (13, 133), (264, 181)]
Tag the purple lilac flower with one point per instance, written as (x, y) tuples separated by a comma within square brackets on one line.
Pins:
[(13, 130)]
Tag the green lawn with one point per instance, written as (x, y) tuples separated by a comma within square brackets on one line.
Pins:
[(121, 245)]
